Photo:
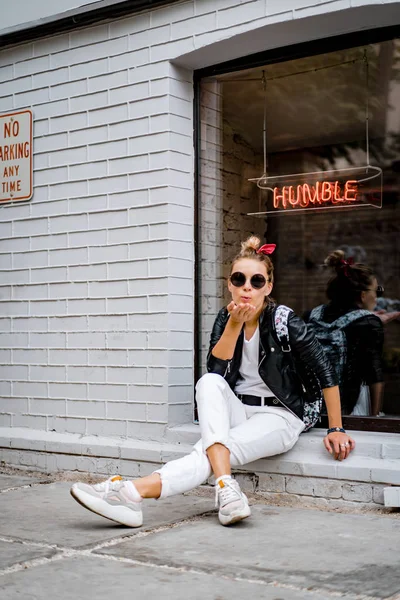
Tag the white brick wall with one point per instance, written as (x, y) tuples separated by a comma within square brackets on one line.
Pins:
[(96, 285)]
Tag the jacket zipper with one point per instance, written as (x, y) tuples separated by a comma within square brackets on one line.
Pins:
[(228, 368), (283, 404)]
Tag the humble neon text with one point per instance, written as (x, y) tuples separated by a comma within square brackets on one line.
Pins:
[(323, 192)]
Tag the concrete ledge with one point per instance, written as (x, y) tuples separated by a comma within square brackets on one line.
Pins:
[(306, 470)]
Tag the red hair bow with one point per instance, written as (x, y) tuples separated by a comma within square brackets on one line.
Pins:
[(347, 263), (266, 249)]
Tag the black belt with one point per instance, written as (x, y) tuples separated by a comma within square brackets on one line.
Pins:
[(257, 400)]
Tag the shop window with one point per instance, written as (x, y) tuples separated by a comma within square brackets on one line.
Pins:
[(317, 110)]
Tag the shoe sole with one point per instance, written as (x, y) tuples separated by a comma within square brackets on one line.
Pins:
[(234, 517), (118, 514)]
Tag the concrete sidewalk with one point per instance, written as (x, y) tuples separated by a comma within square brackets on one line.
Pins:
[(51, 546)]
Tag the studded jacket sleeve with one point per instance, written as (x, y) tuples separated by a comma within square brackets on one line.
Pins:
[(214, 364)]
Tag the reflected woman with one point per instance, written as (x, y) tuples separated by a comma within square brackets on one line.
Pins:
[(352, 294)]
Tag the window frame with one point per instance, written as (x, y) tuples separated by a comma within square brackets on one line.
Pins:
[(267, 57)]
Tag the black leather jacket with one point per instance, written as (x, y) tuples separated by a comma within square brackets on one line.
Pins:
[(294, 377)]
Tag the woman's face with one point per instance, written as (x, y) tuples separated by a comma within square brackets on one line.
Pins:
[(247, 294), (368, 297)]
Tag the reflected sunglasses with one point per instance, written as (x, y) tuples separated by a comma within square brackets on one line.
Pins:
[(379, 291), (257, 281)]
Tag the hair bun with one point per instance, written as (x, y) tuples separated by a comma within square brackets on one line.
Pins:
[(252, 243), (335, 259)]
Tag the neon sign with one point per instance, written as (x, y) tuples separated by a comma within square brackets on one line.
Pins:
[(322, 193), (339, 188)]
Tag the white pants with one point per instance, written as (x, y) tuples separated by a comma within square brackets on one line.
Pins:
[(249, 432)]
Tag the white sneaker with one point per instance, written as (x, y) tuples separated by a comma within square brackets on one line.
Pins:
[(114, 499), (232, 503)]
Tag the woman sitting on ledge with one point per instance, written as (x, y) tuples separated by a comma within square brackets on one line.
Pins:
[(251, 402)]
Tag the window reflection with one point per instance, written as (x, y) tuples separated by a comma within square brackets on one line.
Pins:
[(316, 110)]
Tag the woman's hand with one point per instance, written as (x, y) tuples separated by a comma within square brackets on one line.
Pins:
[(339, 444), (240, 313)]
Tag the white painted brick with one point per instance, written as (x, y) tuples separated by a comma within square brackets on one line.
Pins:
[(107, 115), (67, 357), (68, 290), (103, 289), (90, 135), (128, 234), (67, 122), (68, 90), (89, 35), (68, 223), (88, 101), (68, 390), (31, 98), (15, 276), (127, 269), (50, 78), (5, 356), (127, 305), (86, 340), (108, 428), (5, 324), (108, 323), (88, 204), (108, 357), (48, 275), (165, 15), (51, 44), (357, 492), (17, 85), (88, 69), (67, 425), (67, 323), (150, 71), (29, 292), (51, 142), (29, 67), (87, 306), (128, 25), (148, 107), (47, 407), (87, 238), (68, 190), (108, 253), (172, 50), (51, 109), (92, 52), (29, 324), (108, 185), (196, 25), (130, 411), (18, 372), (109, 81), (5, 261), (129, 93), (47, 373), (48, 209), (67, 157), (51, 176), (47, 340), (48, 241), (87, 273), (68, 257), (129, 128), (40, 127), (108, 392), (126, 375), (48, 307), (77, 408), (30, 227), (5, 420), (13, 340), (29, 389), (122, 340), (108, 150), (149, 143), (30, 421), (128, 60), (129, 165)]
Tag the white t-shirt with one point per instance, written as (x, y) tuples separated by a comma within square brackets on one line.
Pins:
[(251, 383)]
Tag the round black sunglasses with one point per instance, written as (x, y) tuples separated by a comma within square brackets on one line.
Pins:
[(256, 281)]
